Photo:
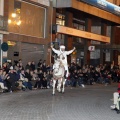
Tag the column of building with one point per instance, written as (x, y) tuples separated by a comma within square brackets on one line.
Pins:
[(113, 31), (1, 34), (103, 32), (68, 39), (87, 42)]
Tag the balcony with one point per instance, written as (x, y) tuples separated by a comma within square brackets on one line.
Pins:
[(3, 23)]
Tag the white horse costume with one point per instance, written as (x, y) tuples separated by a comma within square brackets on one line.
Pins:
[(58, 74), (63, 56)]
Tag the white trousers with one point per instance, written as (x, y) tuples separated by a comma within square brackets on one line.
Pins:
[(116, 99)]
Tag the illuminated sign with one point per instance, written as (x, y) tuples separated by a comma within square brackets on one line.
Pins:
[(102, 4)]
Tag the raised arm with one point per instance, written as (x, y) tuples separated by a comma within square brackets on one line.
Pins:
[(54, 50), (69, 52)]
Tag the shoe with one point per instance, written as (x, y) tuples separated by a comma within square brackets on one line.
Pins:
[(118, 111), (112, 107), (11, 91), (83, 85), (23, 89)]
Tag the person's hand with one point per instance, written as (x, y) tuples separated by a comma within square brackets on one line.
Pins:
[(52, 45), (8, 77)]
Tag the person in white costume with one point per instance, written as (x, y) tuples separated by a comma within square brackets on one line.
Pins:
[(62, 54), (116, 100)]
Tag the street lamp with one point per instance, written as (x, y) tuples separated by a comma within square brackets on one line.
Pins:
[(15, 18)]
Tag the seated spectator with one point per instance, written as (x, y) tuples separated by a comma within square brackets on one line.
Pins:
[(114, 75), (11, 80), (28, 66), (5, 67), (80, 78), (25, 83), (33, 65), (33, 78), (2, 81), (74, 78), (44, 82), (107, 77), (28, 75), (36, 79), (40, 75), (90, 79)]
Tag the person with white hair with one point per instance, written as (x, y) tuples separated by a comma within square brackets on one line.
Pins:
[(62, 54)]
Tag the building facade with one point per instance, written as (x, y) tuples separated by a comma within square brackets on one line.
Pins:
[(92, 27), (29, 27), (3, 28)]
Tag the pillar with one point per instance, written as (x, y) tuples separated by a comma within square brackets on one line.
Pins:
[(87, 43), (113, 31), (53, 34), (103, 32), (69, 39)]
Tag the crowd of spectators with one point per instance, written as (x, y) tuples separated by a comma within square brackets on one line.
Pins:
[(18, 77)]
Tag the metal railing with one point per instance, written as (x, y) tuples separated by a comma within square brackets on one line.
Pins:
[(3, 23)]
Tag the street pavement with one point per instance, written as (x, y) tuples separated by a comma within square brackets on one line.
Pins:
[(89, 103)]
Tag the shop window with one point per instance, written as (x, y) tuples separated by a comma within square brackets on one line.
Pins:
[(96, 26), (78, 24), (108, 31), (26, 19)]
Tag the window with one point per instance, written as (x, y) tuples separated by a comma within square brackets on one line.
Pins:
[(33, 19), (60, 19), (78, 24)]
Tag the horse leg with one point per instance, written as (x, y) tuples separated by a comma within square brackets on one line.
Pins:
[(63, 89), (59, 85), (54, 82)]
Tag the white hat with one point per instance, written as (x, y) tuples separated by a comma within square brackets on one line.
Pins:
[(11, 68), (62, 46)]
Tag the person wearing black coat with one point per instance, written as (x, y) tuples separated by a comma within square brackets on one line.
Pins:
[(74, 78)]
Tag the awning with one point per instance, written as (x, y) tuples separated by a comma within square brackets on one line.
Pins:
[(82, 34)]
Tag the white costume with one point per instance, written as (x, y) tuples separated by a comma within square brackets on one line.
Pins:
[(116, 99), (63, 56)]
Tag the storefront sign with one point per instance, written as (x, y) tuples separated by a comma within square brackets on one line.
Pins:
[(82, 34), (91, 48), (103, 4)]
